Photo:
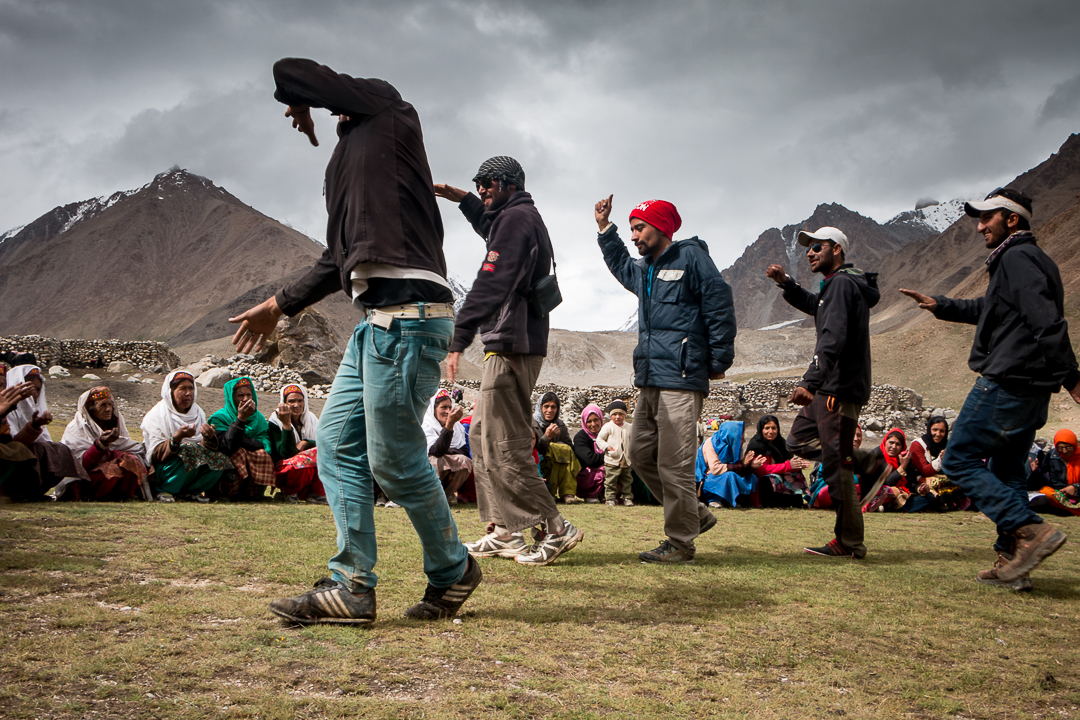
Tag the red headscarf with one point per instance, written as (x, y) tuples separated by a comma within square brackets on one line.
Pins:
[(894, 461), (661, 214), (1073, 463)]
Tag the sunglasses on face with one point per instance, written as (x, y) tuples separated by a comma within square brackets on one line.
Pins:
[(816, 248), (484, 183)]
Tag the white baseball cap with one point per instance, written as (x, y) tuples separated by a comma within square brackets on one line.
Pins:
[(997, 202), (826, 233)]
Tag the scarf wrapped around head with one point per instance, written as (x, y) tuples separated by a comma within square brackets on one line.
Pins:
[(1073, 463), (255, 427), (538, 411), (893, 461), (161, 423), (592, 409), (83, 430), (309, 423), (933, 449), (433, 428), (775, 450), (23, 413)]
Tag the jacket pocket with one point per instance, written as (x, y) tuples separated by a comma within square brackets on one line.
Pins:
[(666, 291)]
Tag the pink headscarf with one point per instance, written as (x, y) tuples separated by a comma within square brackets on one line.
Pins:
[(591, 410)]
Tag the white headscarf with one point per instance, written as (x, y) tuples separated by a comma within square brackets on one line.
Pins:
[(23, 413), (310, 421), (162, 421), (83, 430), (433, 428)]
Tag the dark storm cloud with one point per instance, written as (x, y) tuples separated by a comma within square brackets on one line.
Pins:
[(746, 115)]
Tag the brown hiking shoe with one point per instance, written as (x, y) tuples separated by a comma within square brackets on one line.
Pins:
[(1034, 543), (666, 554), (990, 577)]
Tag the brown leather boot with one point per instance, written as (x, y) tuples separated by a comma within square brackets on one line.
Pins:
[(1034, 543)]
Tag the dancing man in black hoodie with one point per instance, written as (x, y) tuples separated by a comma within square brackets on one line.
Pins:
[(837, 383)]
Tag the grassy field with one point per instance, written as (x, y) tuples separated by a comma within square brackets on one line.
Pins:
[(135, 610)]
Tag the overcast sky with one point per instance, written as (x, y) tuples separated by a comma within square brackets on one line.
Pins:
[(746, 114)]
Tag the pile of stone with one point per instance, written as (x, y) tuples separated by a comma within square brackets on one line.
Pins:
[(145, 355), (212, 371)]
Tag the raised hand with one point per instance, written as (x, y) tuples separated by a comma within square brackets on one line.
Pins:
[(776, 274), (284, 413), (602, 212), (301, 120), (456, 413), (450, 192), (245, 410), (925, 301), (109, 437), (183, 432), (256, 325)]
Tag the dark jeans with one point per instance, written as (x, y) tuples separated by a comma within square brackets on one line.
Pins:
[(824, 431), (998, 427)]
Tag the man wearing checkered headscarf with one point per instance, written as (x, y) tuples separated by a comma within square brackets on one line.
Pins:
[(519, 255)]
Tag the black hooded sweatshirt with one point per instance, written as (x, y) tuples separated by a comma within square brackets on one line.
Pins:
[(518, 255), (841, 310), (1021, 336)]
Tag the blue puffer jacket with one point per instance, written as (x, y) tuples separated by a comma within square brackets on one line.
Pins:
[(686, 320)]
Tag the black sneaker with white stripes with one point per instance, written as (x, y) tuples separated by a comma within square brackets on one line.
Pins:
[(444, 602), (329, 602)]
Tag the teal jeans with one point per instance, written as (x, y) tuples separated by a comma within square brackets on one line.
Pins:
[(371, 429)]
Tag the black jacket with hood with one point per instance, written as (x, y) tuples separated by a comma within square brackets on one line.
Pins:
[(686, 319), (518, 255), (841, 310), (1021, 336), (379, 194)]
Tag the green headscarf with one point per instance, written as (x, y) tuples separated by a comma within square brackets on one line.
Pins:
[(256, 426)]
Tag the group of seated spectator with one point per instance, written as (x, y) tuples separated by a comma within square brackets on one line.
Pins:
[(1054, 481), (236, 454), (594, 466), (240, 454), (889, 477)]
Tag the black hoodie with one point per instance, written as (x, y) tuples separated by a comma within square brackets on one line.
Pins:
[(841, 310), (1021, 338), (518, 255)]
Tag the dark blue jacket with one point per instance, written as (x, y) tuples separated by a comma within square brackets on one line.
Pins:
[(686, 319)]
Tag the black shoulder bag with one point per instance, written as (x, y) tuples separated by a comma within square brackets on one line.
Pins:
[(544, 296)]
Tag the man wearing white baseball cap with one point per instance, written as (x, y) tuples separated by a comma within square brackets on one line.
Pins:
[(1022, 354), (837, 383)]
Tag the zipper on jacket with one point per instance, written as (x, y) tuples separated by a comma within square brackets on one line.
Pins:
[(682, 355)]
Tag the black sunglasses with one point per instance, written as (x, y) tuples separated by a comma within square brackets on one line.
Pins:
[(484, 183), (816, 247)]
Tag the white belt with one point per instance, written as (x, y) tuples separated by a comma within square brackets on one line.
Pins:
[(383, 317)]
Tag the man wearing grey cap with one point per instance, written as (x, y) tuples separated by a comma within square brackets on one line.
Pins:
[(511, 496), (837, 383), (1023, 354)]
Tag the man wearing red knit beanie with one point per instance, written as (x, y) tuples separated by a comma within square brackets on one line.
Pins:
[(686, 337)]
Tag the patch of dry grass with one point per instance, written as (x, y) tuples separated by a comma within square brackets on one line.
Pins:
[(142, 610)]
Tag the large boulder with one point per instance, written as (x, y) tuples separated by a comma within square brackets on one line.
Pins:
[(198, 367), (305, 343), (121, 366), (215, 378)]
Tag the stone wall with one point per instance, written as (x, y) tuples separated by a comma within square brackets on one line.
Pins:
[(889, 406), (144, 354)]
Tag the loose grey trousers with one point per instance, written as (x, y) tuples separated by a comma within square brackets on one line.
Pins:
[(511, 493), (663, 449)]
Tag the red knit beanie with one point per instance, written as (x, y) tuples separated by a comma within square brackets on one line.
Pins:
[(661, 214)]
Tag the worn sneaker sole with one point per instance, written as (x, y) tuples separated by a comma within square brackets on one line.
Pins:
[(321, 620), (1021, 584), (648, 557), (1046, 548), (506, 552), (819, 552)]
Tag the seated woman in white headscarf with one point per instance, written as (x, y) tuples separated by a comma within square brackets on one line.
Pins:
[(180, 444), (98, 436), (28, 423), (18, 466), (446, 443), (292, 442)]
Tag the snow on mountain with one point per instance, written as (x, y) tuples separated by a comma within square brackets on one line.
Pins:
[(459, 290), (937, 217), (630, 325)]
